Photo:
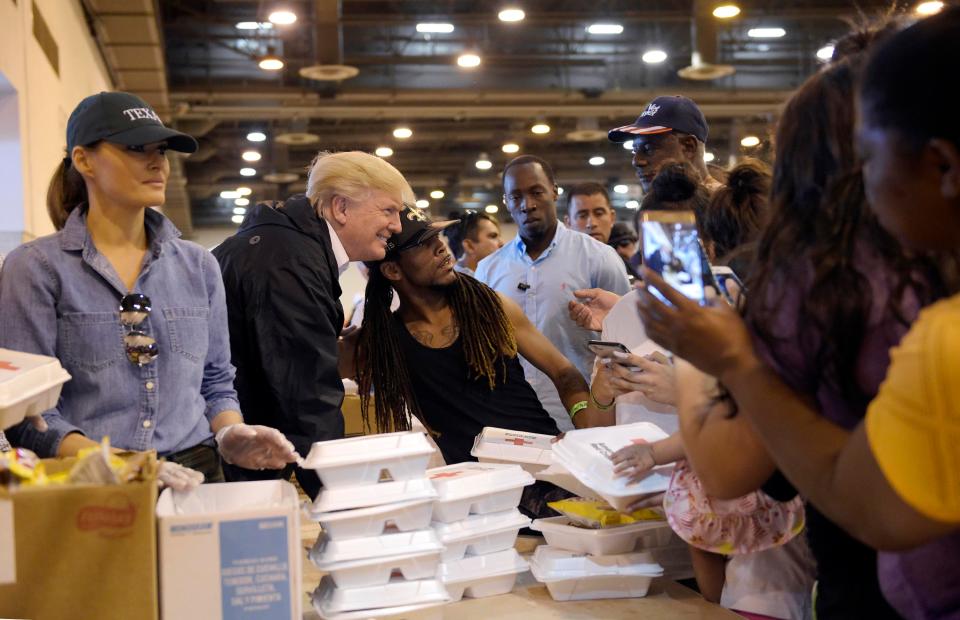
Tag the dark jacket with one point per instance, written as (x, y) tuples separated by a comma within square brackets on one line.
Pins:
[(283, 303)]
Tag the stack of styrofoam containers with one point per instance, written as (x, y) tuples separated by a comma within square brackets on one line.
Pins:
[(475, 516), (531, 451), (29, 385), (573, 576), (377, 546)]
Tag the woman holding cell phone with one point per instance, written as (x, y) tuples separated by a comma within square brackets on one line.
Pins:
[(136, 315)]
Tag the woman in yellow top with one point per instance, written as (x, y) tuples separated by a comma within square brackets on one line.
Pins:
[(894, 481)]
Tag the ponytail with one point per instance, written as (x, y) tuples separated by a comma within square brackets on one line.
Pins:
[(66, 191)]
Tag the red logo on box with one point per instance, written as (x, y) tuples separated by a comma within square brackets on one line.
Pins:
[(112, 519), (8, 366)]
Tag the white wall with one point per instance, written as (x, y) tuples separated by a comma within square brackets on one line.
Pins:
[(44, 100)]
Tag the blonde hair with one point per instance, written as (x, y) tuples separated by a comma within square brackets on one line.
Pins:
[(353, 174)]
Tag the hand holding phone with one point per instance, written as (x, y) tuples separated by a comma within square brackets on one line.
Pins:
[(604, 349)]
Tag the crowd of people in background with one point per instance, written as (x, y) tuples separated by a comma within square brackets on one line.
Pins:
[(811, 400)]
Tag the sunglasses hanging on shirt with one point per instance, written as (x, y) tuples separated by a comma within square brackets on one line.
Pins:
[(140, 347)]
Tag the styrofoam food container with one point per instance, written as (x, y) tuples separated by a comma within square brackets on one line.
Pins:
[(326, 552), (348, 498), (29, 385), (482, 575), (476, 488), (560, 476), (559, 532), (571, 576), (373, 520), (480, 534), (378, 570), (531, 451), (330, 599), (369, 459), (426, 611)]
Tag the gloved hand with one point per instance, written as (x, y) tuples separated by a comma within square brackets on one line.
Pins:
[(178, 477), (255, 447)]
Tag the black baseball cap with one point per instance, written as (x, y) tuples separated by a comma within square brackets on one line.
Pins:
[(663, 114), (416, 228), (124, 119)]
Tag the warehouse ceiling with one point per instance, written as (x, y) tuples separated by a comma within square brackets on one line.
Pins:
[(545, 69)]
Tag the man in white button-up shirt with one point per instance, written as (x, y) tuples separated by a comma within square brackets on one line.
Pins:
[(543, 265)]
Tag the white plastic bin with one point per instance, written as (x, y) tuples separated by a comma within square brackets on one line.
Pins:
[(374, 520), (329, 599), (29, 385), (482, 575), (571, 576), (377, 571), (476, 488), (327, 553), (531, 451), (480, 534), (370, 459), (560, 533), (348, 498)]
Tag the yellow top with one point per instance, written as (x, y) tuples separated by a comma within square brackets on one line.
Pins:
[(913, 425)]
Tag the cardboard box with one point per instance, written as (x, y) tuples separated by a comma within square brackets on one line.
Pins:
[(230, 551), (79, 551), (353, 418)]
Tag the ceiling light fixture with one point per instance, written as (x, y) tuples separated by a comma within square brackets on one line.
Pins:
[(559, 191), (628, 145), (653, 57), (248, 25), (469, 60), (491, 209), (256, 136), (271, 62), (632, 204), (596, 160), (237, 219), (282, 17), (437, 194), (510, 147), (825, 53), (402, 133), (621, 189), (928, 8), (423, 203), (244, 191), (383, 151), (239, 211), (483, 162), (540, 128), (241, 202), (251, 156), (709, 157), (248, 172), (605, 29), (750, 141), (229, 194), (432, 28), (726, 11), (766, 33), (511, 14)]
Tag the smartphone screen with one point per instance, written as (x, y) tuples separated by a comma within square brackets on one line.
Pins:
[(599, 347), (671, 247)]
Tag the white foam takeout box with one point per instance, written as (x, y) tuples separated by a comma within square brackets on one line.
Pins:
[(476, 488), (405, 516), (480, 576), (586, 454), (530, 451), (572, 576), (480, 534), (560, 533), (377, 571), (327, 553), (332, 602), (370, 459), (368, 495), (230, 550), (29, 385)]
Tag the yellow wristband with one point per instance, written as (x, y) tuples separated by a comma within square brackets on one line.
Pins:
[(577, 408), (600, 406)]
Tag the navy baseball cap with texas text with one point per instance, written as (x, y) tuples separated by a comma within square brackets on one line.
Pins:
[(121, 118)]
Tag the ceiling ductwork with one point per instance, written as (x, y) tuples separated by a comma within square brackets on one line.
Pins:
[(328, 45), (704, 65)]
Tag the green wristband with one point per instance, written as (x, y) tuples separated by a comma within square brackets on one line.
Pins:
[(577, 408)]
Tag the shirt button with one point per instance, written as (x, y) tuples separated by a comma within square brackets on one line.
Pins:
[(149, 385), (147, 424)]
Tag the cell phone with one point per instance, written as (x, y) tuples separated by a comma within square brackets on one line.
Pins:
[(606, 349), (722, 276), (671, 247)]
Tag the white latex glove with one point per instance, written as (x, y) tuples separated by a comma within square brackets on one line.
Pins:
[(255, 447), (178, 477)]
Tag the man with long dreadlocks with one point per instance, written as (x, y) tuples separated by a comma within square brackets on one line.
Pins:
[(448, 355)]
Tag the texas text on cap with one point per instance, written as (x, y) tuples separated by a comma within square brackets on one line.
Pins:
[(124, 119), (663, 114), (415, 228)]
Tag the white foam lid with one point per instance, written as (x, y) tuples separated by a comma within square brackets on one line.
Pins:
[(509, 445), (366, 449), (332, 599), (24, 375), (349, 498), (478, 525), (359, 513), (471, 479), (327, 552), (557, 564), (476, 567)]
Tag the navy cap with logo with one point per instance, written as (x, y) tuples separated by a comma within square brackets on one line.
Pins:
[(663, 114), (416, 228), (124, 119)]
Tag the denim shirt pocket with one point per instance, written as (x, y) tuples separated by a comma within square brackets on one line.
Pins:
[(92, 340), (189, 332)]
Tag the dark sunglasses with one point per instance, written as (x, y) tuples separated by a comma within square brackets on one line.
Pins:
[(140, 347)]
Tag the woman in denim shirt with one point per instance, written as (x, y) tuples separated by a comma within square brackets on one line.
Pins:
[(135, 314)]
